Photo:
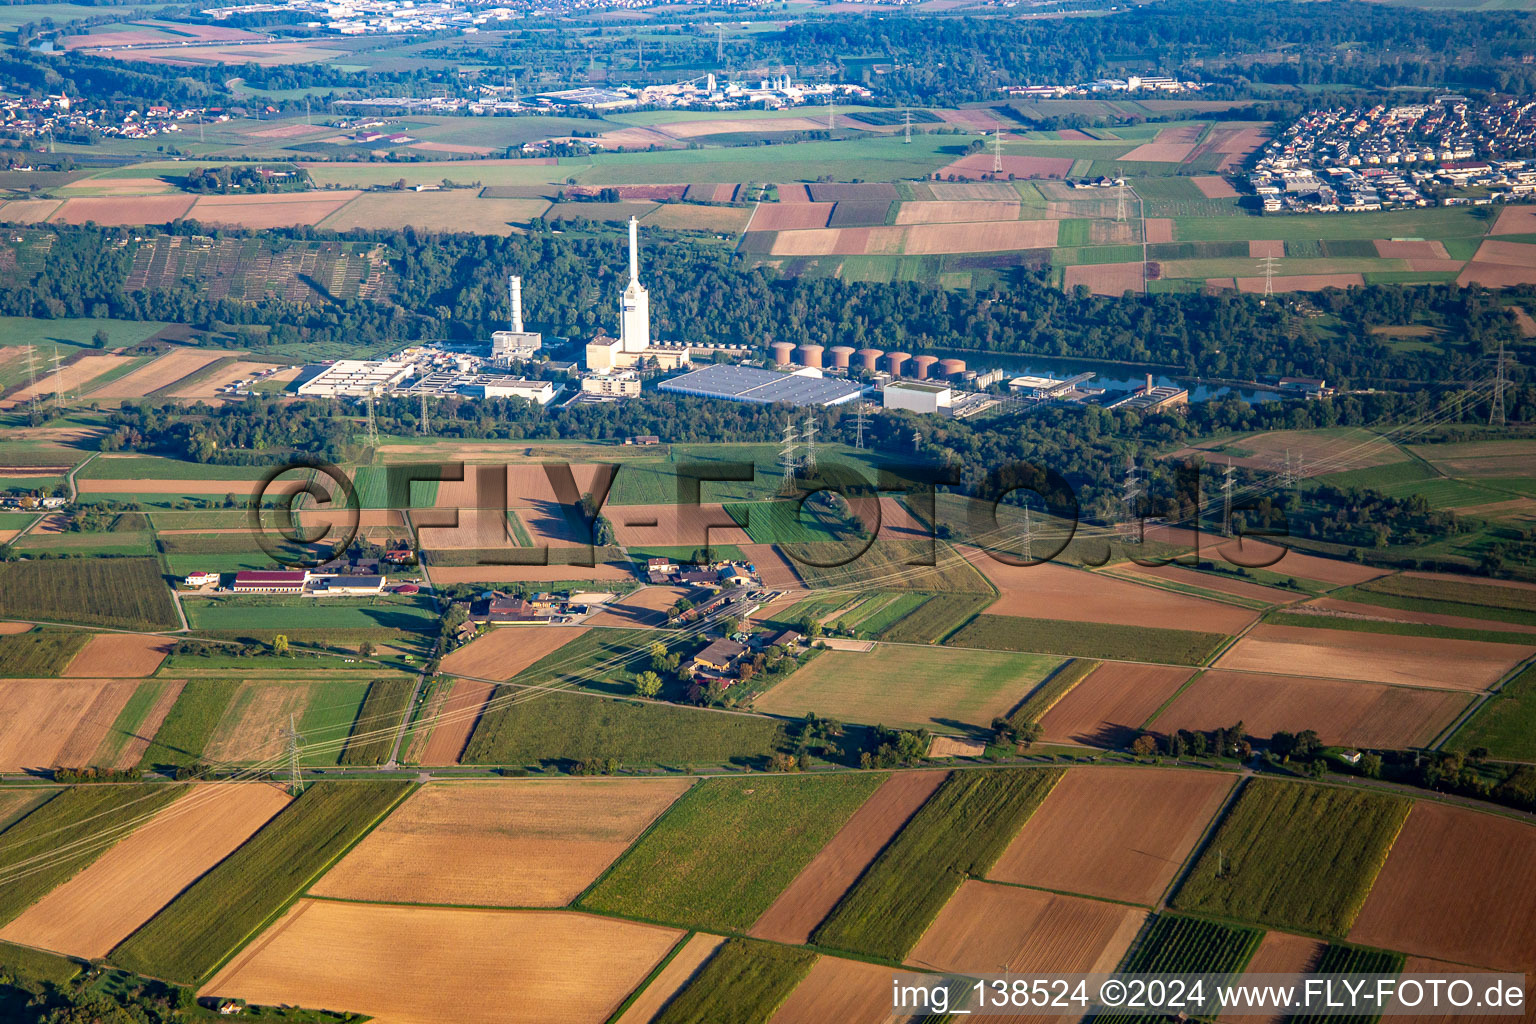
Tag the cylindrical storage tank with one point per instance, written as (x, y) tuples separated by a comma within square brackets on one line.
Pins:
[(924, 364), (810, 355), (840, 354), (783, 353), (871, 358), (951, 367), (894, 361)]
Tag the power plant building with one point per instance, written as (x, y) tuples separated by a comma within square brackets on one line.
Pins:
[(515, 343), (764, 387), (633, 345)]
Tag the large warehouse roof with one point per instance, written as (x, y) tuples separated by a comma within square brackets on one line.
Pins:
[(764, 387)]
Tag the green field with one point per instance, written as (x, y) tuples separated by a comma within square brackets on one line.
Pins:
[(378, 721), (957, 834), (189, 725), (572, 727), (1449, 597), (226, 907), (88, 545), (59, 839), (242, 613), (743, 982), (721, 855), (1487, 636), (149, 467), (1506, 724), (935, 619), (39, 654), (70, 334), (940, 689), (1454, 222), (1174, 944), (1295, 856), (129, 720), (1086, 639), (123, 593)]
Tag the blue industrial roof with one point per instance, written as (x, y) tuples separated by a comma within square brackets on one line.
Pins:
[(764, 387)]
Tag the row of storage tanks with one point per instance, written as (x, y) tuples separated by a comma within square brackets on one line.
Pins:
[(784, 354)]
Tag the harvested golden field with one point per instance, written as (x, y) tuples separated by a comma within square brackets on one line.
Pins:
[(1456, 886), (1171, 145), (776, 570), (815, 891), (690, 526), (518, 844), (47, 723), (505, 651), (398, 964), (11, 628), (273, 210), (645, 607), (1420, 249), (962, 212), (1213, 187), (953, 746), (672, 979), (122, 211), (1052, 591), (602, 572), (123, 655), (986, 928), (207, 389), (456, 721), (1278, 953), (450, 211), (1105, 278), (126, 886), (73, 379), (1378, 657), (841, 991), (1342, 712), (726, 220), (28, 211), (162, 372), (1117, 833), (994, 236), (255, 725), (789, 122)]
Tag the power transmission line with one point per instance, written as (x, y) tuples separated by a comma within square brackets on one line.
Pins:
[(295, 780), (997, 150), (1496, 408), (809, 461), (858, 441), (787, 459)]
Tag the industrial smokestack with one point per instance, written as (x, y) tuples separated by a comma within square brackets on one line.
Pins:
[(634, 251), (1149, 385), (517, 303)]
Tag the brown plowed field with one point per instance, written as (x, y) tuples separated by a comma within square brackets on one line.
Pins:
[(672, 978), (431, 211), (791, 216), (1105, 278), (1495, 275), (115, 211), (10, 628), (776, 570), (794, 194), (1159, 229), (528, 485), (602, 572), (1108, 707), (121, 655), (993, 236), (1343, 712), (46, 723), (269, 211), (1506, 254), (1298, 564), (75, 377), (254, 726), (127, 885), (816, 890), (505, 651), (518, 844), (133, 747), (1160, 152), (1302, 282), (1051, 591), (690, 526), (1219, 584), (1259, 248), (985, 191), (1357, 610), (955, 212), (1379, 657), (645, 607), (1115, 833), (1456, 886), (1425, 965), (1279, 953), (978, 164), (456, 722), (421, 964), (841, 991), (168, 369), (1515, 220), (1419, 250), (986, 928)]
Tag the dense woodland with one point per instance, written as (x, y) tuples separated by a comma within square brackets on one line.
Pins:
[(452, 286)]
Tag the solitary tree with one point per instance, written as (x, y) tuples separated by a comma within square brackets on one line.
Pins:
[(648, 684), (280, 645)]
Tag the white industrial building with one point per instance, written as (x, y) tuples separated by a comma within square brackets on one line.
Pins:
[(446, 383), (633, 345), (515, 342), (613, 385), (351, 377), (917, 396)]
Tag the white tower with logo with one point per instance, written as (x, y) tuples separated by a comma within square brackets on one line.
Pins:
[(635, 306)]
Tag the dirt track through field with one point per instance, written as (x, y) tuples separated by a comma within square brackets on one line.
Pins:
[(123, 655), (505, 651), (127, 885), (1115, 833), (524, 844), (818, 887), (398, 963)]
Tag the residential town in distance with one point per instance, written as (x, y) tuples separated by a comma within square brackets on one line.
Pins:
[(1446, 153)]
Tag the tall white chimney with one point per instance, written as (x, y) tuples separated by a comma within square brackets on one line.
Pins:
[(517, 304), (634, 251)]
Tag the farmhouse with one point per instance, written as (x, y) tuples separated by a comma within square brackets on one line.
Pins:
[(349, 586), (719, 657), (200, 579), (256, 581)]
